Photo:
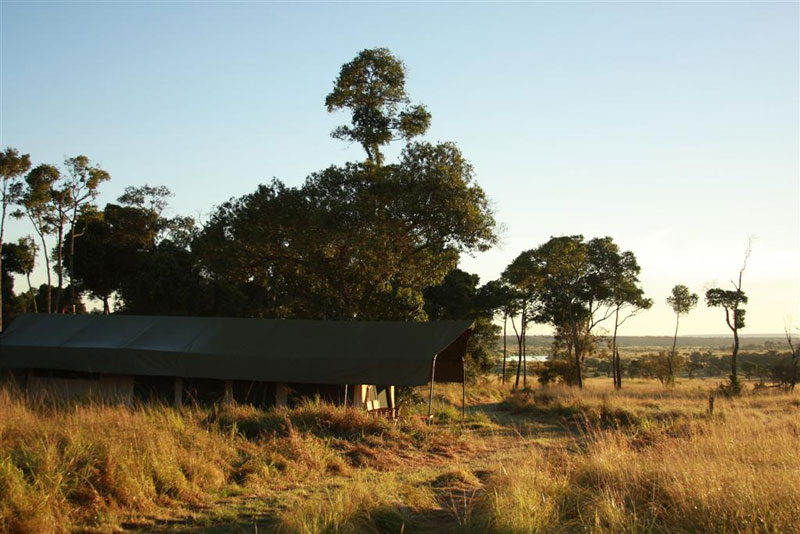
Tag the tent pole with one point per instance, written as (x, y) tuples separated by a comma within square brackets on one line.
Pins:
[(463, 389), (430, 398)]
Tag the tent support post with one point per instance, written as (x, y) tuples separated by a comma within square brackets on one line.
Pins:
[(463, 389), (430, 397)]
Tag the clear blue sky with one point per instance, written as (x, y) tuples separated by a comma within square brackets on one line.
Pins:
[(671, 127)]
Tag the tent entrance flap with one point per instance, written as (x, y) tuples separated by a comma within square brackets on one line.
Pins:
[(451, 363)]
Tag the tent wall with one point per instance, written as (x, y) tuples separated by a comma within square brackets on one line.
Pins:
[(105, 387)]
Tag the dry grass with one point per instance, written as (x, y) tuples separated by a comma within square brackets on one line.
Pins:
[(646, 459), (722, 475), (96, 465)]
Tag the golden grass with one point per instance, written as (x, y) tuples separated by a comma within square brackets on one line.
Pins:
[(722, 475), (67, 466), (645, 459)]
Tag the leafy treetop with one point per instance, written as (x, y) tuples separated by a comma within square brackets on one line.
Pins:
[(372, 88)]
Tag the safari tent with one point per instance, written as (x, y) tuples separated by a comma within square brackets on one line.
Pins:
[(258, 361)]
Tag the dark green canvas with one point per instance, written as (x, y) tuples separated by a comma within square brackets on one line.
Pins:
[(318, 352)]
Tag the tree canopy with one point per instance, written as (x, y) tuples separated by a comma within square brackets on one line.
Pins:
[(353, 241), (574, 285), (372, 88)]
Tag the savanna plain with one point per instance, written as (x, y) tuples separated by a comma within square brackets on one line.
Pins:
[(552, 459)]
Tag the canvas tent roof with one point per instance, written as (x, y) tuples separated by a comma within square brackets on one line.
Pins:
[(314, 352)]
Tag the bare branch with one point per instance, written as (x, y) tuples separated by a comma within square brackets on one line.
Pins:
[(747, 252)]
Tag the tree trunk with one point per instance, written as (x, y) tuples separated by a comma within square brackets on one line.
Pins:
[(670, 375), (49, 279), (59, 265), (505, 323), (519, 365), (614, 362), (106, 309), (32, 294), (72, 265), (734, 374), (524, 329), (519, 353), (576, 349)]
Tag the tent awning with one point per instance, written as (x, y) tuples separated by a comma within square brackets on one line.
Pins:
[(314, 352)]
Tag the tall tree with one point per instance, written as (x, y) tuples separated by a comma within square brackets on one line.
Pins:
[(119, 252), (36, 203), (372, 88), (81, 182), (521, 302), (682, 301), (572, 281), (60, 199), (732, 301), (499, 297), (362, 240), (627, 300), (12, 167)]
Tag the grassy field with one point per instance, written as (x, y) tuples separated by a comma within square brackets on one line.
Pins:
[(554, 460)]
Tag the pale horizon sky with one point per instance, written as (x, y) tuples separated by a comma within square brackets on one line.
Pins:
[(672, 127)]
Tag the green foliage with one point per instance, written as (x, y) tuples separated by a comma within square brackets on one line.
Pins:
[(17, 258), (557, 370), (135, 253), (352, 242), (681, 300), (83, 179), (13, 165), (106, 253), (362, 240), (36, 195), (20, 257), (569, 280), (730, 301), (372, 88)]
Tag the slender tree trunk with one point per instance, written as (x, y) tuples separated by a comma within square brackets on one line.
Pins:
[(505, 323), (617, 385), (72, 264), (576, 348), (619, 370), (519, 353), (59, 263), (49, 279), (670, 375), (106, 310), (524, 329), (32, 294)]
